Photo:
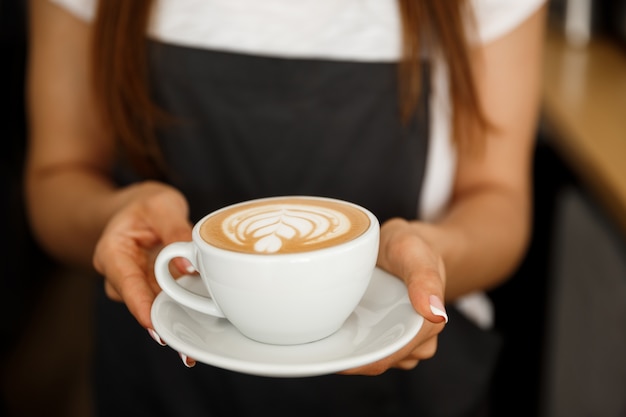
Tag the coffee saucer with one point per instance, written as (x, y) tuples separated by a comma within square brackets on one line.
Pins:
[(383, 322)]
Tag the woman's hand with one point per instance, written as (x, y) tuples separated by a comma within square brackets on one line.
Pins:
[(152, 215), (405, 254)]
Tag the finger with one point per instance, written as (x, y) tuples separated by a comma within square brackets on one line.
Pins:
[(187, 361), (127, 281), (382, 365), (407, 365), (183, 267), (168, 217), (425, 292), (111, 292), (373, 369), (405, 254), (422, 347), (138, 294), (155, 336), (177, 228)]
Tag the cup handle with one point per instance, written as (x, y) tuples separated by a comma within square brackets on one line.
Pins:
[(170, 285)]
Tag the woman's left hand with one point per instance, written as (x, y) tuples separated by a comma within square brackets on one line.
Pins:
[(405, 254)]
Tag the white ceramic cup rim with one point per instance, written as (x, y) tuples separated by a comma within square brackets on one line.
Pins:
[(204, 246)]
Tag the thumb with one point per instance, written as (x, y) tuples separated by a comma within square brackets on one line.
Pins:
[(425, 288), (405, 254), (170, 216)]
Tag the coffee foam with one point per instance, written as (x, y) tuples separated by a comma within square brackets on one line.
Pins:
[(284, 226)]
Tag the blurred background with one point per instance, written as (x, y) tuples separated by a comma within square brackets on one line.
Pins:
[(563, 314)]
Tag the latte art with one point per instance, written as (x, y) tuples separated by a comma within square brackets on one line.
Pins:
[(269, 228), (284, 226)]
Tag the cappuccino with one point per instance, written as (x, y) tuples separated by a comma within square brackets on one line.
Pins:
[(284, 225), (283, 270)]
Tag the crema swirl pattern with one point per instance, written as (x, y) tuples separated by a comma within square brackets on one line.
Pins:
[(285, 226), (269, 228)]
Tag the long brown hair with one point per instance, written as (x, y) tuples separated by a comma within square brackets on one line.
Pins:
[(120, 71)]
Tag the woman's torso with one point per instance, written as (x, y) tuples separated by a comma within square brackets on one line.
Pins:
[(278, 98)]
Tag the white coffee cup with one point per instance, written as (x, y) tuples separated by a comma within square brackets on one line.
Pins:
[(283, 270)]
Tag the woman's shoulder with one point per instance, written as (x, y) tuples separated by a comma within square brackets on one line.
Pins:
[(497, 17), (84, 9)]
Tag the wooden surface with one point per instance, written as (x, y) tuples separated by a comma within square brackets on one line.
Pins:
[(584, 96)]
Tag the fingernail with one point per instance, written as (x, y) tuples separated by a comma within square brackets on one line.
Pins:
[(156, 337), (189, 363), (436, 306), (189, 267)]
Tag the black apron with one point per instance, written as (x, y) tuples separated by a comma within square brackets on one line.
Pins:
[(250, 126)]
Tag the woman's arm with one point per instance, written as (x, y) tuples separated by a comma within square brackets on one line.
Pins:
[(491, 207), (68, 190), (484, 233), (76, 211)]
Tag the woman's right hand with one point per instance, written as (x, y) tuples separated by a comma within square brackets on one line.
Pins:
[(150, 216)]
